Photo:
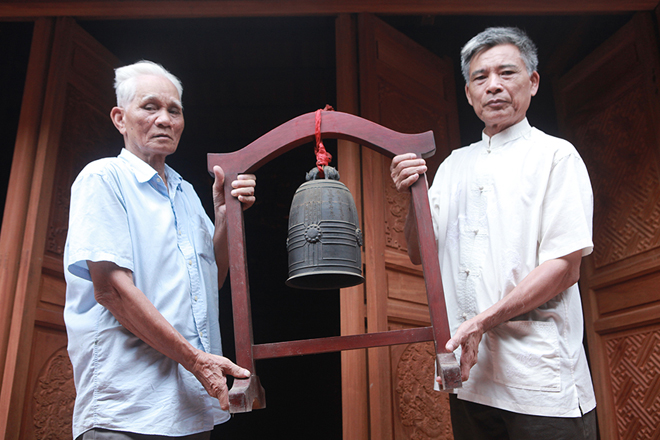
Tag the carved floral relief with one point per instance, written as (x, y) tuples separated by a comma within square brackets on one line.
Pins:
[(424, 411), (54, 397)]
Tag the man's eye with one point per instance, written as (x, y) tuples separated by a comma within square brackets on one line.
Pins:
[(150, 107)]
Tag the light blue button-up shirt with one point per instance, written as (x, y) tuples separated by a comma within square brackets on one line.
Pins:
[(121, 211)]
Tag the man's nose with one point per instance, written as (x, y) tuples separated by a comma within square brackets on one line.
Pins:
[(163, 118), (494, 83)]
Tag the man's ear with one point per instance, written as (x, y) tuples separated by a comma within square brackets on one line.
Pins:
[(467, 94), (535, 78), (117, 116)]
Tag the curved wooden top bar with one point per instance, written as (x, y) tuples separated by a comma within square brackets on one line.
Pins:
[(334, 125)]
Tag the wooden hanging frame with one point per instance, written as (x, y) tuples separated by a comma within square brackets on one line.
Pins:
[(248, 394)]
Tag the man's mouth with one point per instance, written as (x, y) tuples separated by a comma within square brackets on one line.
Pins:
[(496, 103)]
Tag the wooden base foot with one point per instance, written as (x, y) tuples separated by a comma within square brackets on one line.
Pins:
[(246, 395), (449, 371)]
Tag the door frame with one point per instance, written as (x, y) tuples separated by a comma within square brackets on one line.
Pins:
[(118, 9)]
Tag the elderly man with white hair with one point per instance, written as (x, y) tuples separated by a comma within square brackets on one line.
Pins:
[(143, 262), (512, 216)]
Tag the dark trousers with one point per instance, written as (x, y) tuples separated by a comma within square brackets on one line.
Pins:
[(472, 421)]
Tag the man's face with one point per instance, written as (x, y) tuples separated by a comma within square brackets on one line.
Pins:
[(153, 121), (500, 89)]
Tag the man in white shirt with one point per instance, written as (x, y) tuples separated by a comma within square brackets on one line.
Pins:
[(143, 263), (512, 216)]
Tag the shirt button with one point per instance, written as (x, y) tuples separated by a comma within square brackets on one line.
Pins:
[(467, 272), (195, 297), (189, 263), (476, 231)]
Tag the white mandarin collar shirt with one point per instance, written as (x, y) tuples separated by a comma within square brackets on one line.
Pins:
[(501, 207)]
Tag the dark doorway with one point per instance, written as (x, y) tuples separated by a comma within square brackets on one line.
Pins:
[(15, 41), (242, 78)]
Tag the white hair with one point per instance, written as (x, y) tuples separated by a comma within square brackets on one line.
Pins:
[(125, 86), (495, 36)]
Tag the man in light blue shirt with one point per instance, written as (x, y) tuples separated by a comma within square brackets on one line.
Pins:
[(143, 263)]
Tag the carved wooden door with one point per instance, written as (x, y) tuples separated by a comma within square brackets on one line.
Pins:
[(408, 89), (609, 108), (60, 131)]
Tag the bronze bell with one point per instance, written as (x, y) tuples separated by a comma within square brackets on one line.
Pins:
[(324, 240)]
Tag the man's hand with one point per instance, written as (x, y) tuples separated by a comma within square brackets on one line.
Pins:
[(405, 170), (468, 336), (212, 372), (243, 186)]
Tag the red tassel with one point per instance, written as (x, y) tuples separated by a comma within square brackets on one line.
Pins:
[(323, 158)]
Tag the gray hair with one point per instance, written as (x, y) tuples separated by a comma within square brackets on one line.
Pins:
[(495, 36), (125, 86)]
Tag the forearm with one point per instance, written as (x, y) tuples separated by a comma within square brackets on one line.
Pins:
[(243, 190), (538, 287), (412, 236), (221, 248), (117, 293)]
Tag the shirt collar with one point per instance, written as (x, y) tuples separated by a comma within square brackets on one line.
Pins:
[(145, 172), (521, 129)]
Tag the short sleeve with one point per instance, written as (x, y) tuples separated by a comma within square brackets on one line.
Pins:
[(98, 224), (567, 212)]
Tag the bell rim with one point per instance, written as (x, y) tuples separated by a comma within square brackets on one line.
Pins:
[(352, 279)]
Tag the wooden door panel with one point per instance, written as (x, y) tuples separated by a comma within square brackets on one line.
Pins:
[(408, 89), (633, 359), (421, 412), (37, 389), (608, 107), (50, 394)]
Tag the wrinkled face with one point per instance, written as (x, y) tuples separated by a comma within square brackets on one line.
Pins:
[(153, 121), (500, 89)]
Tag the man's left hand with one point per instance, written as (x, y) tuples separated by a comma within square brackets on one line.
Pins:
[(243, 189)]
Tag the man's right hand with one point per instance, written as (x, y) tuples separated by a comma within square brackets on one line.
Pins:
[(405, 170), (212, 371)]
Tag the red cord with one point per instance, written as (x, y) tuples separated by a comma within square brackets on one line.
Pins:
[(323, 158)]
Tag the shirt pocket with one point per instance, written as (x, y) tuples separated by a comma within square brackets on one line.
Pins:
[(525, 355), (203, 240)]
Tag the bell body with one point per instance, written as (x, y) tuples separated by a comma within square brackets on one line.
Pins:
[(324, 240)]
